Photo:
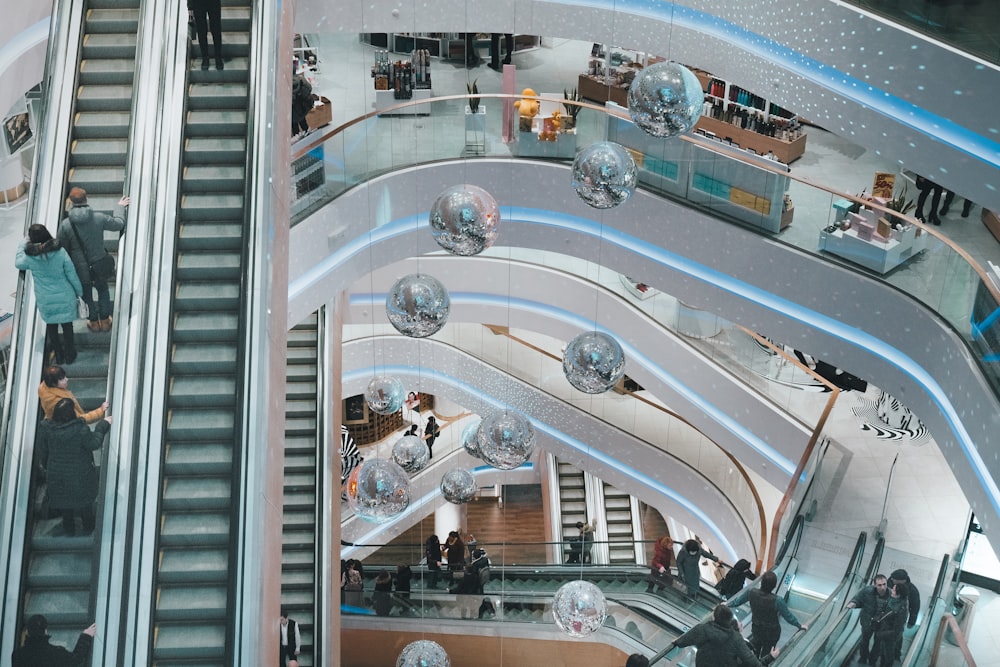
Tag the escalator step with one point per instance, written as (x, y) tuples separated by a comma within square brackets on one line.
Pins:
[(303, 338), (103, 180), (198, 458), (213, 178), (300, 407), (191, 603), (203, 358), (301, 426), (194, 529), (212, 207), (60, 569), (193, 564), (214, 150), (209, 266), (95, 153), (205, 327), (302, 579), (221, 296), (217, 96), (194, 494), (109, 46), (216, 124), (112, 21), (303, 392), (61, 606), (190, 642), (202, 391), (210, 236), (103, 125), (301, 355), (206, 425)]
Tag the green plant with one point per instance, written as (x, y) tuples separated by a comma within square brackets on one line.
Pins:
[(899, 203), (473, 101), (572, 109)]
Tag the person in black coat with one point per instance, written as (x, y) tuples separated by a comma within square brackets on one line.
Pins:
[(38, 652), (872, 601), (289, 639), (432, 551), (431, 433), (65, 449), (208, 16)]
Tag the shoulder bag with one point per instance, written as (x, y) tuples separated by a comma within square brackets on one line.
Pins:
[(100, 270)]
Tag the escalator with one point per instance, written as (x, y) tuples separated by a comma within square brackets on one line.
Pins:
[(194, 577), (59, 571), (298, 546), (621, 516), (572, 499)]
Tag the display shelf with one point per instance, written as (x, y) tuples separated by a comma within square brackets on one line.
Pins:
[(598, 90), (530, 145), (878, 256), (640, 291), (785, 151)]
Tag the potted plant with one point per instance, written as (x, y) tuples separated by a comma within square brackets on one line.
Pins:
[(901, 205), (475, 120), (572, 110)]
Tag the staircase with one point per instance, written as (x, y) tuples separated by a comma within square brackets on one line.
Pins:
[(59, 570), (192, 606), (298, 547)]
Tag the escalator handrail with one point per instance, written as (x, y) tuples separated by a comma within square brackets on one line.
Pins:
[(936, 604), (19, 419)]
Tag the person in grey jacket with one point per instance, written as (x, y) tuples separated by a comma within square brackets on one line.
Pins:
[(719, 645), (66, 445), (687, 565), (56, 289), (82, 234), (765, 607), (872, 601)]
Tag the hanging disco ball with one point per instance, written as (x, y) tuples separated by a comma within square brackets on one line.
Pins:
[(423, 653), (665, 99), (378, 490), (593, 362), (458, 486), (417, 305), (604, 174), (470, 437), (411, 453), (579, 608), (385, 395), (464, 220), (506, 439)]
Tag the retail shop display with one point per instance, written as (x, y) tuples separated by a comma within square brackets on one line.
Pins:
[(604, 174), (385, 395), (864, 236), (593, 362), (579, 608), (458, 486), (665, 99), (610, 72), (400, 80), (378, 490), (423, 653), (542, 130), (411, 453), (418, 305), (464, 220), (739, 117), (506, 439)]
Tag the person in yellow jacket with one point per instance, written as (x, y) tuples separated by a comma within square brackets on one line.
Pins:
[(53, 389)]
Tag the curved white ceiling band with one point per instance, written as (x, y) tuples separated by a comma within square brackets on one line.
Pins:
[(21, 43)]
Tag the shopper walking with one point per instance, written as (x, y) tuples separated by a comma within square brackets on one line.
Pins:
[(431, 433), (65, 448), (81, 233), (208, 16), (765, 607), (872, 601), (289, 638), (38, 651), (432, 553), (56, 288), (508, 41), (659, 570), (719, 645), (687, 565), (54, 388), (928, 187)]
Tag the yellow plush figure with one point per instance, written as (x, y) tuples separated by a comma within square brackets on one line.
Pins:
[(526, 109), (550, 128)]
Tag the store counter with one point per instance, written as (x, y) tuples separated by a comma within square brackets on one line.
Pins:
[(876, 255)]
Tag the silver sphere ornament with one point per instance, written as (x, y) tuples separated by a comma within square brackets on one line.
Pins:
[(385, 395), (423, 653), (579, 608), (378, 490), (665, 99), (418, 305), (411, 453), (458, 486), (604, 174), (593, 362), (506, 439), (464, 220), (470, 437)]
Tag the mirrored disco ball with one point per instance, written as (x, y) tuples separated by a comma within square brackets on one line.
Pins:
[(458, 486), (604, 174), (665, 99), (411, 453), (470, 437), (378, 490), (593, 362), (506, 439), (579, 608), (385, 395), (418, 305), (464, 220), (423, 653)]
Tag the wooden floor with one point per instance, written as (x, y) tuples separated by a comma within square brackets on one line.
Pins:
[(513, 533)]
